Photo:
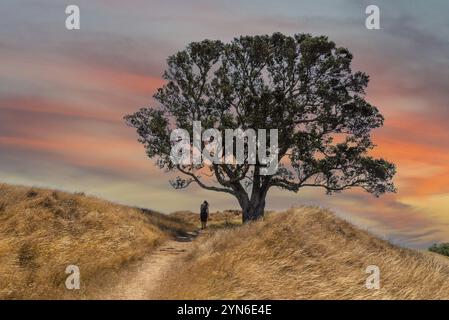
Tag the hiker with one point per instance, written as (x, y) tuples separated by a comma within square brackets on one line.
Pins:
[(204, 214)]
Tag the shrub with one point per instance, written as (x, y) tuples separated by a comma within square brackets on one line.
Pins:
[(442, 248)]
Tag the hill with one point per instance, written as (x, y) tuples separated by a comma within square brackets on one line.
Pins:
[(305, 253), (125, 252), (216, 220), (43, 231)]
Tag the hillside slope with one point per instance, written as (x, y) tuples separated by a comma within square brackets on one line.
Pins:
[(306, 253), (216, 220), (43, 231)]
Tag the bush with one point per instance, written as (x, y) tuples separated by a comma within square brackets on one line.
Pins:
[(442, 248)]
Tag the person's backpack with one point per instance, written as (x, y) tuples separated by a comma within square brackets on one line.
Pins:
[(203, 209)]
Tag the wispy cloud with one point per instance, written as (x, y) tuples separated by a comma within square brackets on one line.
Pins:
[(63, 95)]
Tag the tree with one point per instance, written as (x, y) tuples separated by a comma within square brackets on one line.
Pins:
[(301, 85)]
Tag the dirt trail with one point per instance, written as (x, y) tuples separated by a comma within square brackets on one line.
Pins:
[(140, 281)]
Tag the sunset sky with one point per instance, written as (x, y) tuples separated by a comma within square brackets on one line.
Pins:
[(63, 95)]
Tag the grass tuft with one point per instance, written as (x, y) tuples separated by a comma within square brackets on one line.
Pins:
[(44, 231)]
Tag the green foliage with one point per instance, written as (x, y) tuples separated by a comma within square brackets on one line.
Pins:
[(442, 248), (301, 85)]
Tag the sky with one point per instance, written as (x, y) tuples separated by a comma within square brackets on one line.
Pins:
[(63, 95)]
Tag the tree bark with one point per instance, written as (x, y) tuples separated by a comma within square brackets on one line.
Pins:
[(253, 210)]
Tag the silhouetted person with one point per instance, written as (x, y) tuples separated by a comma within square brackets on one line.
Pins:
[(204, 214)]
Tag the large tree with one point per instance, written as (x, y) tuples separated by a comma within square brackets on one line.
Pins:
[(301, 85)]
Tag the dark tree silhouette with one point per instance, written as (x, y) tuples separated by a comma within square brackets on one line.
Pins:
[(301, 85)]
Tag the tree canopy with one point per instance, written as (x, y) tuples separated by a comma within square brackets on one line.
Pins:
[(301, 85)]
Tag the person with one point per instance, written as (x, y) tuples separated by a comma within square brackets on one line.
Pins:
[(204, 214)]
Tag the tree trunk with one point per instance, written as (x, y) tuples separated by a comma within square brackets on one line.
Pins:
[(254, 209)]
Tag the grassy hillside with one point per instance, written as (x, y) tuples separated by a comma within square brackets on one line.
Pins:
[(305, 253), (216, 220), (44, 231)]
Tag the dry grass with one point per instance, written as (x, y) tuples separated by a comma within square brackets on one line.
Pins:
[(216, 220), (306, 253), (44, 231)]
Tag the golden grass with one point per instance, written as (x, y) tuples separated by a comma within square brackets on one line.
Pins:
[(305, 253), (44, 231), (216, 220)]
